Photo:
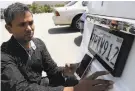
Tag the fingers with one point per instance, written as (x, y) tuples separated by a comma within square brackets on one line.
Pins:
[(101, 81), (97, 74), (75, 65), (68, 68), (67, 65), (94, 85), (71, 67), (102, 87)]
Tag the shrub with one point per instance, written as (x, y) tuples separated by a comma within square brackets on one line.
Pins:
[(35, 8), (59, 5)]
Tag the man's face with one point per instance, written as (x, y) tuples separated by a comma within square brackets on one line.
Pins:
[(22, 27)]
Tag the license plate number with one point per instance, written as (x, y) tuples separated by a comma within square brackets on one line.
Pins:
[(106, 45)]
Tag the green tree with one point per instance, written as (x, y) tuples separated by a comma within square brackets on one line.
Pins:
[(35, 8)]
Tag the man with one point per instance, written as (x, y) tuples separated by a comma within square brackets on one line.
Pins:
[(23, 58)]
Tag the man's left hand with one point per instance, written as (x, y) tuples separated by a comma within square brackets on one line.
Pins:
[(70, 69)]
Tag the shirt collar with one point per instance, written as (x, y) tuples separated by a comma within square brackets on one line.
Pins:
[(33, 46)]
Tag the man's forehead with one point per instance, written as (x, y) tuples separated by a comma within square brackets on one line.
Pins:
[(23, 17)]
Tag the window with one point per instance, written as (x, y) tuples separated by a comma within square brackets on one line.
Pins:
[(71, 3)]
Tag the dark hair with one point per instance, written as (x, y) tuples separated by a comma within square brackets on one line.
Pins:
[(12, 10)]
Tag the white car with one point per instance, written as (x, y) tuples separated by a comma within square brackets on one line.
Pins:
[(70, 13)]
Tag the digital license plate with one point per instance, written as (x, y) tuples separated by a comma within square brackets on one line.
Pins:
[(105, 45)]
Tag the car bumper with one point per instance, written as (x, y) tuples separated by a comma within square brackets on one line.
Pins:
[(59, 20)]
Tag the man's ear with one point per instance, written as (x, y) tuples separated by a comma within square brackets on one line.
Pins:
[(8, 27)]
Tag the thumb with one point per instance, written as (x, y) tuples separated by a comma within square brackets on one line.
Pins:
[(97, 74)]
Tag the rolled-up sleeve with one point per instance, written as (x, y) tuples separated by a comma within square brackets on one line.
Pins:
[(13, 80)]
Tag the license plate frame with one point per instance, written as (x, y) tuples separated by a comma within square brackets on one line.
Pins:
[(118, 42)]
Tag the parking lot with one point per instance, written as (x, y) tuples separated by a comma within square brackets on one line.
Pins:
[(62, 41)]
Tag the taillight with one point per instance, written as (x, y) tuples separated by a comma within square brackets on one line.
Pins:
[(57, 13)]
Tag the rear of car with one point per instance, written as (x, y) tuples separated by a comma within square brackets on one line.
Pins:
[(69, 14), (60, 16)]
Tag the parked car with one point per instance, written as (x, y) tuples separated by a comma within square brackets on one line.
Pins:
[(70, 13)]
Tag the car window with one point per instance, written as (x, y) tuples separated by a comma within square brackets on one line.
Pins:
[(71, 3), (84, 3)]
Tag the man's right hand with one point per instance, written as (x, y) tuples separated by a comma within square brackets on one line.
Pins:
[(92, 84)]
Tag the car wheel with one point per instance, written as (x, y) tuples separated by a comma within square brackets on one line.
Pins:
[(81, 30), (76, 22)]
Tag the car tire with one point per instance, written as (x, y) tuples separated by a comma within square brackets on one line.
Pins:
[(81, 26), (75, 22), (81, 30)]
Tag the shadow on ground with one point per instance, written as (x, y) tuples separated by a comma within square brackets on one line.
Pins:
[(78, 40), (62, 30)]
